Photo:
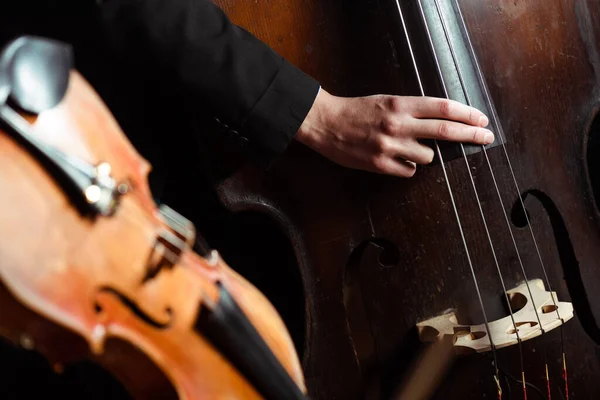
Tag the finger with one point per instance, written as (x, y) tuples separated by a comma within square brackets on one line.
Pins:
[(449, 131), (390, 166), (417, 153), (410, 150), (436, 108)]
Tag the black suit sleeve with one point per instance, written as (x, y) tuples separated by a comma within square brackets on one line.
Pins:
[(221, 65)]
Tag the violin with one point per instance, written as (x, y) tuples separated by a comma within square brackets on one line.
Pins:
[(91, 267), (492, 249)]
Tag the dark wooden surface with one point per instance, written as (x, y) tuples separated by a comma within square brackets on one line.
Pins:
[(378, 254)]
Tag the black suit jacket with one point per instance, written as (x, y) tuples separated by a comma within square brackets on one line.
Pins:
[(152, 59), (212, 60)]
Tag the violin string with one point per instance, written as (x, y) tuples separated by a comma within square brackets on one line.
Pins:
[(151, 237), (458, 220), (518, 190), (469, 102)]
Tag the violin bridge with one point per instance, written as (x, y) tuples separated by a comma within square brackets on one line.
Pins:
[(550, 311), (180, 226), (178, 234)]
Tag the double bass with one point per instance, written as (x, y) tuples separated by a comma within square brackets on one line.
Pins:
[(92, 268), (494, 249)]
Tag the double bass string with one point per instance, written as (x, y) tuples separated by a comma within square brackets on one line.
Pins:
[(547, 281), (500, 276), (469, 102), (458, 220)]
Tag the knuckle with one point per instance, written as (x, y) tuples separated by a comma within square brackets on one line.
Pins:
[(378, 163), (444, 107), (395, 104), (387, 124), (443, 130), (373, 160), (381, 144)]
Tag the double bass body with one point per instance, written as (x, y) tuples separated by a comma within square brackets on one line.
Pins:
[(380, 254)]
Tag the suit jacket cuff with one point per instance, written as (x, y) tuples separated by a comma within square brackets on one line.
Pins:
[(276, 117)]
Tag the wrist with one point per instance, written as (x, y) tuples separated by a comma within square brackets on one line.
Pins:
[(312, 128)]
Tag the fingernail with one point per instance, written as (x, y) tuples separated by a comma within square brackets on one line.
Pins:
[(489, 137), (483, 121)]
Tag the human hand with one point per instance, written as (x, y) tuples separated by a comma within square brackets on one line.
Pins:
[(380, 133)]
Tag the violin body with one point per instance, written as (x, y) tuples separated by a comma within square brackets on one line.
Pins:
[(124, 290), (379, 254)]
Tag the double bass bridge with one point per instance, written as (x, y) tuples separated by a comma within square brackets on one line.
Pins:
[(548, 310)]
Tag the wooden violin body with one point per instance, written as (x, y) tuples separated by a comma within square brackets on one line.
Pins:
[(125, 290), (380, 254)]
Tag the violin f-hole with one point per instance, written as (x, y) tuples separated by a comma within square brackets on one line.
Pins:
[(136, 309)]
